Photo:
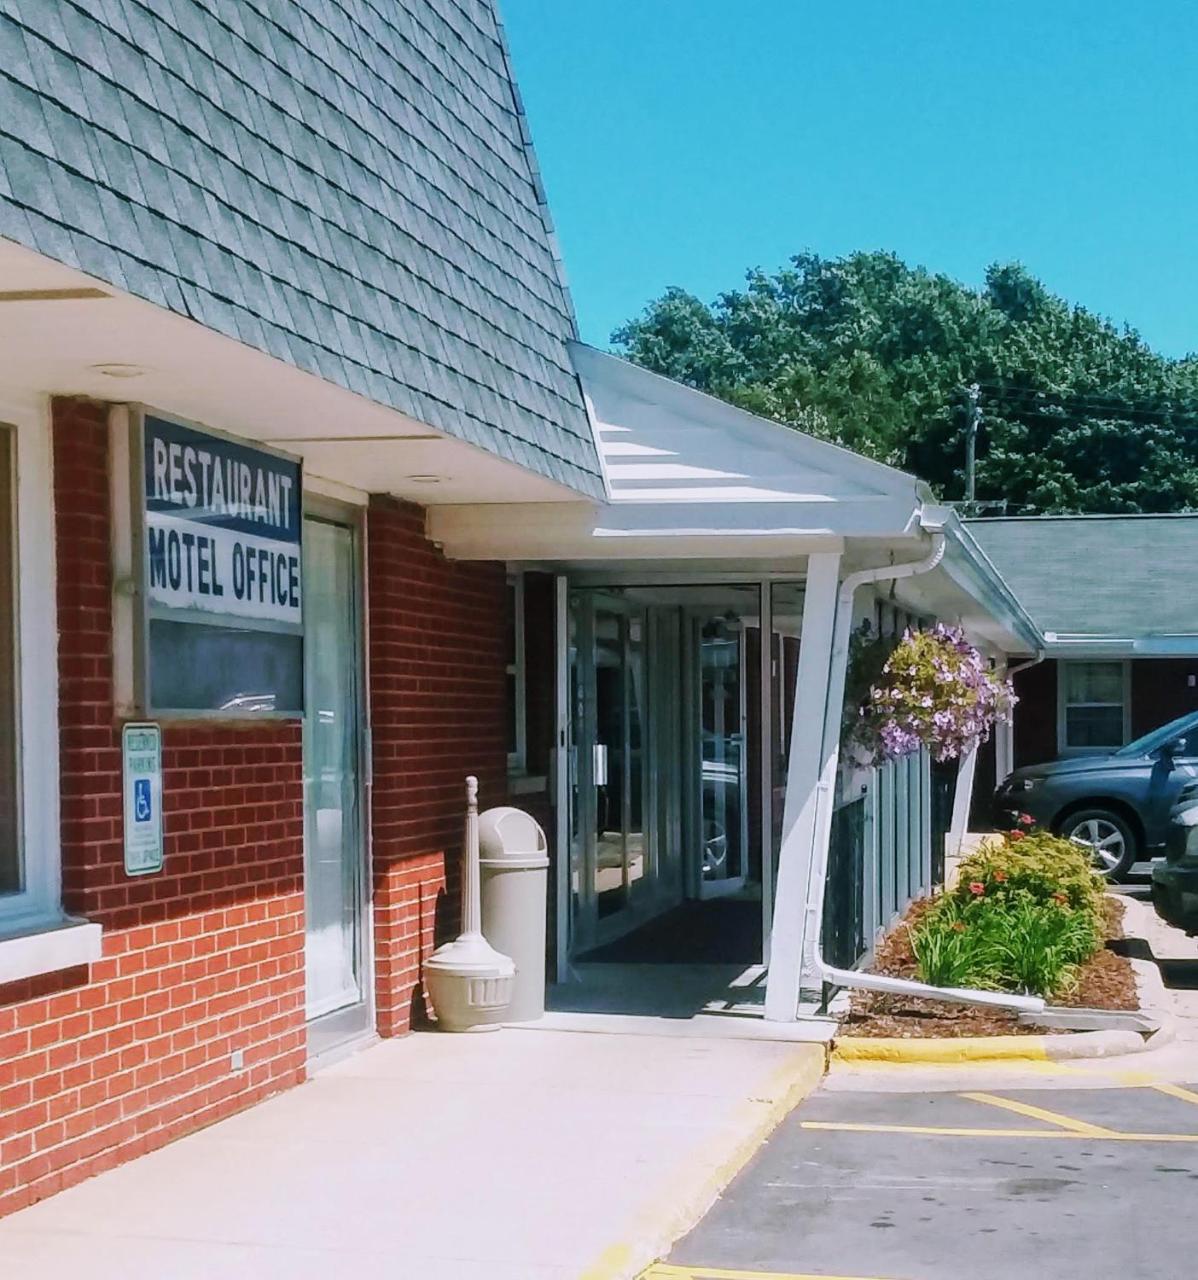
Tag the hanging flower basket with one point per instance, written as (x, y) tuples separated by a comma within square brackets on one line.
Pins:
[(933, 689)]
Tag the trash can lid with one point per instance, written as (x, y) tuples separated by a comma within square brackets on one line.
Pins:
[(509, 835)]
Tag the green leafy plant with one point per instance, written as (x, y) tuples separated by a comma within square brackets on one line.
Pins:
[(1030, 861), (1024, 916)]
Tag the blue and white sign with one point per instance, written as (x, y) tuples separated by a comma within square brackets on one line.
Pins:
[(141, 771), (223, 529)]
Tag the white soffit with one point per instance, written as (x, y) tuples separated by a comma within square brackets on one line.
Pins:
[(59, 329)]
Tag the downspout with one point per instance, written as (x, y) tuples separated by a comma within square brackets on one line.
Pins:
[(841, 637)]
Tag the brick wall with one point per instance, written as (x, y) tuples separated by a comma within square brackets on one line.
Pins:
[(436, 649), (1036, 714), (1160, 692), (99, 1065)]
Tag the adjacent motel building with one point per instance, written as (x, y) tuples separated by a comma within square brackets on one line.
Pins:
[(310, 505)]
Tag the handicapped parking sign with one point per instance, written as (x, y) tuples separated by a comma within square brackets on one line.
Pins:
[(143, 806), (141, 768)]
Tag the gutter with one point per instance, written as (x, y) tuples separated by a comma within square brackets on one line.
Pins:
[(817, 881)]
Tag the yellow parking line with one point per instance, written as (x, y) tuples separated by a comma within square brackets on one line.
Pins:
[(935, 1131), (1060, 1135), (1176, 1091), (665, 1271), (1039, 1113)]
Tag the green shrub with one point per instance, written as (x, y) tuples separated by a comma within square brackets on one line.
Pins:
[(1025, 914), (1045, 867)]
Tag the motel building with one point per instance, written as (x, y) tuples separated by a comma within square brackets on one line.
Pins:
[(311, 504)]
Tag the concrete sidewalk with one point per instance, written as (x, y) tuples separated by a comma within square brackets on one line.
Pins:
[(516, 1155)]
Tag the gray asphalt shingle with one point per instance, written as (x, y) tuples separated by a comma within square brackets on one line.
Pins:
[(370, 157), (1118, 576)]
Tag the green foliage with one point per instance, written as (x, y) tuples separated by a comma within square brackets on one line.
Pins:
[(1009, 944), (1026, 912), (1079, 415), (1037, 864)]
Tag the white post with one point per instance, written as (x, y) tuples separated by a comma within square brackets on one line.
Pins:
[(472, 912), (803, 773), (962, 799)]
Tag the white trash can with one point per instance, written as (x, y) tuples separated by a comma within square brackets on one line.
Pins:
[(514, 862)]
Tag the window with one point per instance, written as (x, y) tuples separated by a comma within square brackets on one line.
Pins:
[(516, 718), (1093, 706), (10, 852), (35, 937)]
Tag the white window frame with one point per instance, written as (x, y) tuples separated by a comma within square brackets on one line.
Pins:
[(1063, 747), (35, 935), (517, 761)]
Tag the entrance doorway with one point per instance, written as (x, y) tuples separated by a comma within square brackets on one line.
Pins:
[(336, 954), (672, 775)]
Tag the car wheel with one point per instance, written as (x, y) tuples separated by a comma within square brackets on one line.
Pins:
[(1107, 835)]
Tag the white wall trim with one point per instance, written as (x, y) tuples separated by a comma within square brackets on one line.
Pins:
[(40, 901), (62, 945)]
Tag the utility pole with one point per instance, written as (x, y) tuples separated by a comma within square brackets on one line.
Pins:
[(973, 421)]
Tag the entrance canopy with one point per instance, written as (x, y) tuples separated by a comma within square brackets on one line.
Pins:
[(698, 486)]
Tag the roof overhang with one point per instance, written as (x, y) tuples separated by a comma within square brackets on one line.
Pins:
[(65, 333)]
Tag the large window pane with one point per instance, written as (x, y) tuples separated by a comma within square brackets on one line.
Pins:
[(1094, 726), (10, 854), (1089, 682)]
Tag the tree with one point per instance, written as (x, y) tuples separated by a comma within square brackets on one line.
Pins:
[(1078, 415)]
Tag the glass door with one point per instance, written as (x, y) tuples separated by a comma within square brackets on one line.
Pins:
[(613, 856), (335, 952), (723, 784)]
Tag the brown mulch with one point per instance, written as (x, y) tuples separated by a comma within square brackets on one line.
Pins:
[(1106, 981)]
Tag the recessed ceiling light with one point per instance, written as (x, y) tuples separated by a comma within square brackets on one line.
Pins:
[(425, 479), (119, 370)]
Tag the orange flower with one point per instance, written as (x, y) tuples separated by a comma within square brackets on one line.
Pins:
[(1000, 876), (977, 888), (959, 926), (1062, 898), (1016, 835)]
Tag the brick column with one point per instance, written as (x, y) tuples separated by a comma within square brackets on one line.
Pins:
[(437, 664)]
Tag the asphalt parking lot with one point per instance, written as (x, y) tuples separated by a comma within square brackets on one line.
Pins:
[(1003, 1184)]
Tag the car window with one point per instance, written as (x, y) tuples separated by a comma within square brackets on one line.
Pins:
[(1183, 727)]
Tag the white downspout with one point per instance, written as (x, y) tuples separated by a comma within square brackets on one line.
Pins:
[(842, 636)]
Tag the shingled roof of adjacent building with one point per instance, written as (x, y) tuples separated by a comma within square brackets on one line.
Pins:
[(346, 185), (1099, 576)]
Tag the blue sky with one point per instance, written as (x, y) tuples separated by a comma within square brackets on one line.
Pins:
[(682, 141)]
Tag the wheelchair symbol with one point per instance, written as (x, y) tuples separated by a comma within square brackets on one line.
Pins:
[(141, 799)]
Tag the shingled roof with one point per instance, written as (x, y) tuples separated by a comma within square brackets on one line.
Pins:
[(1099, 576), (346, 185)]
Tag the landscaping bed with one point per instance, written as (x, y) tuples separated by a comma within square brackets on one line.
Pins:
[(1022, 918)]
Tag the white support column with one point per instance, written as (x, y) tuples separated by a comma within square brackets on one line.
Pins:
[(962, 799), (805, 768), (1004, 736)]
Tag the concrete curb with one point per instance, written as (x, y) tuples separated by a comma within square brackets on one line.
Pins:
[(697, 1184), (1154, 1002), (965, 1049)]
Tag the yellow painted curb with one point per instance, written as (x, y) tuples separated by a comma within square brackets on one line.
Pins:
[(689, 1195), (941, 1049)]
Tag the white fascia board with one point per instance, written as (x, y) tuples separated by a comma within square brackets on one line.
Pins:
[(677, 530), (970, 568), (1074, 645)]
